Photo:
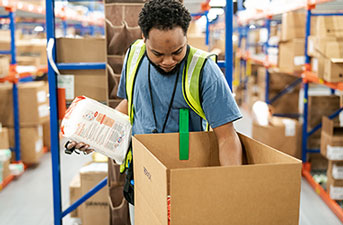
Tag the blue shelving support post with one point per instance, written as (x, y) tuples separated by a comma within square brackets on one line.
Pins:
[(266, 47), (305, 83), (64, 27), (55, 153), (11, 17), (228, 42), (207, 41)]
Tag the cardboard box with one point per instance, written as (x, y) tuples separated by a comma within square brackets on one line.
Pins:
[(46, 135), (31, 143), (334, 188), (4, 66), (317, 65), (73, 50), (329, 26), (91, 83), (331, 145), (282, 134), (291, 55), (198, 41), (33, 104), (4, 169), (293, 25), (335, 169), (96, 209), (333, 70), (119, 209), (75, 194), (209, 193), (4, 140)]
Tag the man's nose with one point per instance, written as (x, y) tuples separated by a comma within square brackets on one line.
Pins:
[(168, 60)]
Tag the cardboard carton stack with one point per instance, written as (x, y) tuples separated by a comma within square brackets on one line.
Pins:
[(288, 103), (4, 66), (121, 31), (33, 113), (332, 148), (282, 134), (96, 209), (91, 83), (326, 49), (5, 154)]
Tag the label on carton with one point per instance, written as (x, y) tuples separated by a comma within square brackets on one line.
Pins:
[(337, 172), (67, 82), (39, 145), (315, 64), (334, 152), (310, 46), (289, 127), (336, 193), (41, 96), (40, 131), (43, 110), (299, 60)]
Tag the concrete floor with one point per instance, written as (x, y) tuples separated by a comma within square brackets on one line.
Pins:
[(28, 200)]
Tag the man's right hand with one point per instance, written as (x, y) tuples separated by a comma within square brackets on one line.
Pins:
[(80, 146)]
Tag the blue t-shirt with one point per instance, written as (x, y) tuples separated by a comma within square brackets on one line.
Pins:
[(218, 103)]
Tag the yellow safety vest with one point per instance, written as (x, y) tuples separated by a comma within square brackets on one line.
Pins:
[(190, 79)]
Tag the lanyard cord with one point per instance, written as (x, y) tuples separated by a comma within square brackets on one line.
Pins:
[(170, 104)]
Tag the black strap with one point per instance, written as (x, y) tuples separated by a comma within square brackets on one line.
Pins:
[(170, 104)]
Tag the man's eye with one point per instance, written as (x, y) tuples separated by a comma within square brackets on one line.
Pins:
[(157, 54), (178, 52)]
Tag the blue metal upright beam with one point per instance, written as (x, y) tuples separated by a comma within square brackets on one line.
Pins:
[(307, 34), (305, 120), (55, 153), (228, 42), (64, 27), (11, 16), (266, 47)]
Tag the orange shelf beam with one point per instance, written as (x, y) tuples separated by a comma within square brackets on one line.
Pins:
[(335, 208), (6, 181), (312, 77)]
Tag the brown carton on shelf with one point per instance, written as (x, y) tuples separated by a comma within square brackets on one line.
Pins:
[(331, 145), (96, 209), (202, 192), (317, 65), (198, 41), (4, 66), (333, 70), (334, 188), (31, 143), (335, 169), (291, 55), (75, 194), (329, 26), (282, 134), (293, 25), (4, 140), (46, 135), (33, 104)]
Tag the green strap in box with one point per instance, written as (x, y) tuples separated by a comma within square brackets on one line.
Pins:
[(184, 134)]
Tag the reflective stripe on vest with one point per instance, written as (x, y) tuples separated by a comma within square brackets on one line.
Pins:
[(190, 78)]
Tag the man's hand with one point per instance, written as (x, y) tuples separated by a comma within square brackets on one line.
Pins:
[(230, 147), (80, 146)]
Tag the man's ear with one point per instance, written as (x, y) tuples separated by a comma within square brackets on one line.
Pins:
[(144, 39)]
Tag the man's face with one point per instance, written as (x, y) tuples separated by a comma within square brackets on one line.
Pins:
[(166, 48)]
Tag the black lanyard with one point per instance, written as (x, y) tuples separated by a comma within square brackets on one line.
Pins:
[(170, 104)]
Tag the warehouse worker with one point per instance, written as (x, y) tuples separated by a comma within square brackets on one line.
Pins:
[(155, 85)]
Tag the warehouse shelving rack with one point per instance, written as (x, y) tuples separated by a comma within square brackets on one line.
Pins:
[(307, 76), (54, 99)]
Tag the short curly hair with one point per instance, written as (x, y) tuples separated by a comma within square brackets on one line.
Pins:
[(163, 15)]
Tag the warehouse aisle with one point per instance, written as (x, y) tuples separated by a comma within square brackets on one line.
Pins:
[(28, 200)]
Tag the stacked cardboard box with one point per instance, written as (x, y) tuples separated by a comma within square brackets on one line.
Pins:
[(33, 113), (286, 104), (5, 154), (75, 194), (282, 134), (91, 83), (96, 209), (326, 49), (332, 148), (4, 66)]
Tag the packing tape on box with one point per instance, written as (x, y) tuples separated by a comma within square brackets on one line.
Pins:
[(334, 152), (104, 129)]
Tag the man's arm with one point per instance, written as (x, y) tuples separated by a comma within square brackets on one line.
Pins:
[(122, 107), (230, 147)]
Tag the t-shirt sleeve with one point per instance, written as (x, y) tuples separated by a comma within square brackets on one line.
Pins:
[(218, 102), (121, 93)]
